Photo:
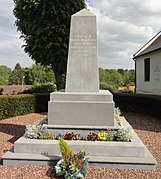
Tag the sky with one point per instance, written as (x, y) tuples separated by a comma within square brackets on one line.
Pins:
[(123, 27)]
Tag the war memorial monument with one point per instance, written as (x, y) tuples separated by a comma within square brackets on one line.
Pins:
[(81, 107)]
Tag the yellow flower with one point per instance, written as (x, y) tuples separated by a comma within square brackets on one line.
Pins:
[(102, 136), (118, 119)]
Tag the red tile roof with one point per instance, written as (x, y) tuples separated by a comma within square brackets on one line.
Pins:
[(14, 89)]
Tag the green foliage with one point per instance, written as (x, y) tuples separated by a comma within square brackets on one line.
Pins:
[(117, 116), (127, 91), (109, 137), (129, 77), (45, 26), (5, 72), (16, 76), (41, 102), (15, 105), (64, 148), (47, 136), (38, 74), (47, 88), (111, 79), (34, 75), (146, 104)]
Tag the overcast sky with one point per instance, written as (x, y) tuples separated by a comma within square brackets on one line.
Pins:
[(124, 26)]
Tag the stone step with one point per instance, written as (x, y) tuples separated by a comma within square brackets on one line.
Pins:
[(23, 159), (132, 155), (94, 148), (135, 148), (102, 95)]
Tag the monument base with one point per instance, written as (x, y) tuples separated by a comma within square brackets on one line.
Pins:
[(81, 109), (128, 155)]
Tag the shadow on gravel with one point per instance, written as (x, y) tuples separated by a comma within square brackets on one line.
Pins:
[(51, 173), (14, 130), (143, 122)]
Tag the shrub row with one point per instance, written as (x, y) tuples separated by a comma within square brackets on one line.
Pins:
[(147, 104), (14, 105), (43, 88)]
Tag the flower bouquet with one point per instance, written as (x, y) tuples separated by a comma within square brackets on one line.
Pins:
[(72, 165)]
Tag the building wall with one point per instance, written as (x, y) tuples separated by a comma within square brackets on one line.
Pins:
[(154, 85)]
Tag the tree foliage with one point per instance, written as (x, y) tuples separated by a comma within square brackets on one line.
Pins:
[(44, 25), (112, 78), (5, 72), (38, 74), (16, 76)]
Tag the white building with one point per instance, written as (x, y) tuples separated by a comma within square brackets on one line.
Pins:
[(148, 67)]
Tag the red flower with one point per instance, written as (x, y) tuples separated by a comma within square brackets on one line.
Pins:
[(69, 136), (92, 136)]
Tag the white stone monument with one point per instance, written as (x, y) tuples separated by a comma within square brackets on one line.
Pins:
[(82, 103)]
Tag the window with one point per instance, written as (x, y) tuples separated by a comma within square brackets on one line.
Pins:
[(147, 69)]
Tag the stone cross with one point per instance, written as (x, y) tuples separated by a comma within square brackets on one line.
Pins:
[(82, 67)]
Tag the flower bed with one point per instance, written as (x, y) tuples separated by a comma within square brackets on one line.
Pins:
[(122, 134), (40, 132)]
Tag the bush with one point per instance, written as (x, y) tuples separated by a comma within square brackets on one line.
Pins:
[(15, 105), (147, 104), (44, 88), (126, 91), (41, 102), (105, 86)]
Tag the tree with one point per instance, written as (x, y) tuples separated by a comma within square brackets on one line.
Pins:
[(104, 79), (132, 77), (38, 74), (16, 76), (5, 72), (129, 77), (115, 78), (121, 71), (45, 25)]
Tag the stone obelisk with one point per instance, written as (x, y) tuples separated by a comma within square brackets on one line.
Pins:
[(82, 103), (82, 68)]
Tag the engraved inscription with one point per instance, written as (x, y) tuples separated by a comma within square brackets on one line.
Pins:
[(83, 40), (83, 46), (90, 43)]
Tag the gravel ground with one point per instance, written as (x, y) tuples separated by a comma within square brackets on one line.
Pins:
[(148, 128)]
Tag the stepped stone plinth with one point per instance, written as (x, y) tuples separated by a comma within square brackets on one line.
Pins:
[(91, 109), (82, 104), (131, 155)]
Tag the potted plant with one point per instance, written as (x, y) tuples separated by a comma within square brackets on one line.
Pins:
[(73, 165)]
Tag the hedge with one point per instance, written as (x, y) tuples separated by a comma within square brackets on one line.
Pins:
[(14, 105), (147, 104)]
